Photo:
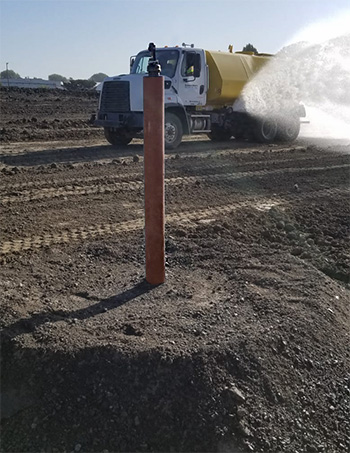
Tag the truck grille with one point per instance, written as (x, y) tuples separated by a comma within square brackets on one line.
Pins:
[(115, 97)]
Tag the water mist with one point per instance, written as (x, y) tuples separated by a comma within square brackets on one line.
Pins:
[(314, 72)]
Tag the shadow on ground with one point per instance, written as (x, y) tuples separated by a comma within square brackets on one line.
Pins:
[(29, 325)]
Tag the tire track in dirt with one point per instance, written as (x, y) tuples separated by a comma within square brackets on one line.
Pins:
[(68, 152), (70, 190), (59, 147), (194, 162), (66, 181), (183, 217), (102, 230), (75, 181), (124, 175), (137, 174)]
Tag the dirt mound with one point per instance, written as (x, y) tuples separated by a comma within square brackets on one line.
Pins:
[(246, 345), (210, 361)]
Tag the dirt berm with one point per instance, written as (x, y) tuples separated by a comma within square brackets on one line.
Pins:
[(246, 345)]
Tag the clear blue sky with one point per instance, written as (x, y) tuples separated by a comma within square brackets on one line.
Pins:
[(78, 38)]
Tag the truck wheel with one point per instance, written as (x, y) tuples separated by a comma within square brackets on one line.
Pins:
[(173, 131), (219, 134), (117, 137), (288, 130), (265, 130)]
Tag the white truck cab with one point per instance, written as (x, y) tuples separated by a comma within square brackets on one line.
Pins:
[(185, 74), (183, 68)]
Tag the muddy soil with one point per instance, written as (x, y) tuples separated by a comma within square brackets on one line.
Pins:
[(244, 348)]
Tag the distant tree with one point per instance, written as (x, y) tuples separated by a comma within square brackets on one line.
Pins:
[(57, 78), (79, 84), (250, 48), (99, 77), (10, 74)]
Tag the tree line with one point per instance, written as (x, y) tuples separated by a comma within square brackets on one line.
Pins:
[(69, 83), (76, 84)]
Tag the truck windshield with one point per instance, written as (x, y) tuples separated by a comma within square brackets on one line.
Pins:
[(167, 59)]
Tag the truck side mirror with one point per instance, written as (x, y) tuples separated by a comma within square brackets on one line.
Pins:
[(132, 61)]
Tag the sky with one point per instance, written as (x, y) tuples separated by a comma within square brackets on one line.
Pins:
[(78, 38)]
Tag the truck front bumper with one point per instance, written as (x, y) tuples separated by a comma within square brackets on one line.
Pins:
[(129, 120)]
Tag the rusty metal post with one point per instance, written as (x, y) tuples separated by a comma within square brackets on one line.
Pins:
[(153, 108)]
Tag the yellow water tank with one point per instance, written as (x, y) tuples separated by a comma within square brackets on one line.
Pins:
[(229, 72)]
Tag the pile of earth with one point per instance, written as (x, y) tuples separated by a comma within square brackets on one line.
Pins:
[(244, 348)]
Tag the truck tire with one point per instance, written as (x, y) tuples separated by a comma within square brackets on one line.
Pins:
[(265, 130), (219, 134), (173, 131), (288, 130), (117, 137)]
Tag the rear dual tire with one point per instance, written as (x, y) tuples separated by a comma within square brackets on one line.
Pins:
[(265, 130), (270, 130), (288, 130)]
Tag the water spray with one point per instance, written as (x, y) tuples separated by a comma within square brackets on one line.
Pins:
[(314, 73)]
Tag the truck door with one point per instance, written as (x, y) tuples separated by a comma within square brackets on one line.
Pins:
[(192, 86)]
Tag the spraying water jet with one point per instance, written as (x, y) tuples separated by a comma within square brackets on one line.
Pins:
[(316, 73)]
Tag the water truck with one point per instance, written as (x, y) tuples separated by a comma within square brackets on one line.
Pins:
[(202, 94)]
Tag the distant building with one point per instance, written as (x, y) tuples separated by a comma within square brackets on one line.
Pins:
[(31, 83)]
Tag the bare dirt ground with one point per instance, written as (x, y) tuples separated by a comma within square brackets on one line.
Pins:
[(244, 348)]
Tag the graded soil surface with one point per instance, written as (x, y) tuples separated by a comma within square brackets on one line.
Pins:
[(244, 348)]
